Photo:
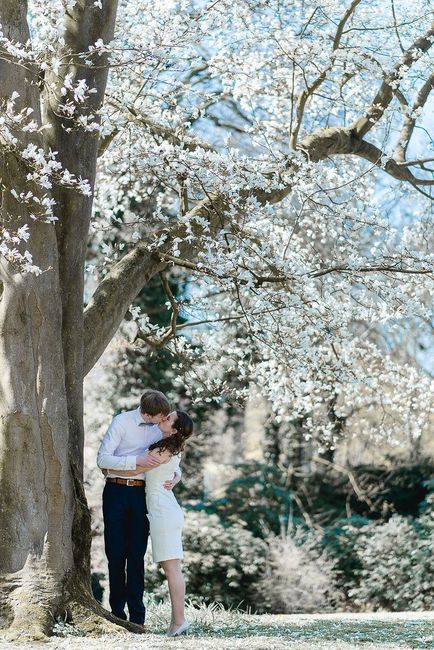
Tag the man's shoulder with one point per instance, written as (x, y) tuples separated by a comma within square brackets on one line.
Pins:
[(125, 416)]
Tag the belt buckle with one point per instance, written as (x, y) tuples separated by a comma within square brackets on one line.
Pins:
[(130, 482)]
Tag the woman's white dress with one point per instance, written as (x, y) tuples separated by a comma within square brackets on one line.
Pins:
[(164, 513)]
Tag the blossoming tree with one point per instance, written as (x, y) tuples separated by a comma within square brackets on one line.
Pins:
[(277, 151)]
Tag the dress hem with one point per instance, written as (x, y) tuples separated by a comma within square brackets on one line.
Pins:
[(163, 559)]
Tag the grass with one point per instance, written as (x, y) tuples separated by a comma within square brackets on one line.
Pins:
[(214, 628), (213, 622)]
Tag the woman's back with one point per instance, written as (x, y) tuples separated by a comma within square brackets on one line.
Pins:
[(155, 479)]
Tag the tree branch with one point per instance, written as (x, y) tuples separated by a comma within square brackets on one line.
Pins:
[(386, 91), (151, 340), (338, 141), (362, 496), (371, 152), (109, 303), (416, 161), (112, 299), (370, 269), (126, 279), (121, 285), (190, 143), (175, 306), (308, 92), (410, 121)]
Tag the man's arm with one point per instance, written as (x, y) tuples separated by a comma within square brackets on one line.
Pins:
[(112, 438), (169, 485), (107, 460)]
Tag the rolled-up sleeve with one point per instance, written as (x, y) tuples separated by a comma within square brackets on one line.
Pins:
[(106, 458)]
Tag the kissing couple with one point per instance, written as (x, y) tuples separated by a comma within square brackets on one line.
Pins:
[(140, 455)]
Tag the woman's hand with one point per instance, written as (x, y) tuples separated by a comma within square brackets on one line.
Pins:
[(169, 485)]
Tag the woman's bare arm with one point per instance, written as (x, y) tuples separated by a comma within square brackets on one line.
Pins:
[(164, 457)]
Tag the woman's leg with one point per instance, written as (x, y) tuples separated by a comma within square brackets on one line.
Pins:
[(172, 569)]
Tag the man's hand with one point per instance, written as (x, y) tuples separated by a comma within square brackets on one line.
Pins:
[(147, 461), (169, 485)]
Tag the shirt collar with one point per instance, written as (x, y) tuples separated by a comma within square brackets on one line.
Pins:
[(138, 417)]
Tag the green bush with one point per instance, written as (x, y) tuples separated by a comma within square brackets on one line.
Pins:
[(259, 497), (263, 497), (341, 540), (233, 553), (220, 564), (397, 565)]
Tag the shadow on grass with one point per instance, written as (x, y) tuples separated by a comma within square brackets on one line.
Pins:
[(416, 634), (213, 620)]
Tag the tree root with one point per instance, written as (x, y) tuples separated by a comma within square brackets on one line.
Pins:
[(33, 633), (34, 626), (33, 621), (94, 620), (27, 607)]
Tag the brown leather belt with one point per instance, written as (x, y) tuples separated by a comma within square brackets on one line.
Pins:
[(132, 482)]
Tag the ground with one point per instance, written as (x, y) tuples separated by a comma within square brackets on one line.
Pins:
[(214, 629)]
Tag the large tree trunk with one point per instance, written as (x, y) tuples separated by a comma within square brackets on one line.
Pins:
[(36, 489), (44, 520), (84, 24), (36, 502)]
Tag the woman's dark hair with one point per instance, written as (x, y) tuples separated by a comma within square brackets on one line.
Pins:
[(176, 442)]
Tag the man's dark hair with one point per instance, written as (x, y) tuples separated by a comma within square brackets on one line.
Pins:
[(153, 402)]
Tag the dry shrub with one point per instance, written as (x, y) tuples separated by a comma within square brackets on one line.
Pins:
[(299, 576)]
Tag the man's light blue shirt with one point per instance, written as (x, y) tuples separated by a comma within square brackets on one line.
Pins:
[(127, 437)]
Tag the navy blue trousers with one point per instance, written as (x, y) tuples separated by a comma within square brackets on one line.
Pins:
[(126, 530)]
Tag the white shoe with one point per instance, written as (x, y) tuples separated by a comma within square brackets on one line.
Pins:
[(182, 629)]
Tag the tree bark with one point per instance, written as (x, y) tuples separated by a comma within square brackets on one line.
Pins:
[(77, 149), (44, 520), (36, 495), (35, 483)]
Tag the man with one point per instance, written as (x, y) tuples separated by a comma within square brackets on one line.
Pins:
[(126, 527)]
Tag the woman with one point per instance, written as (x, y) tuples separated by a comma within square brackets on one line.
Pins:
[(165, 514)]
